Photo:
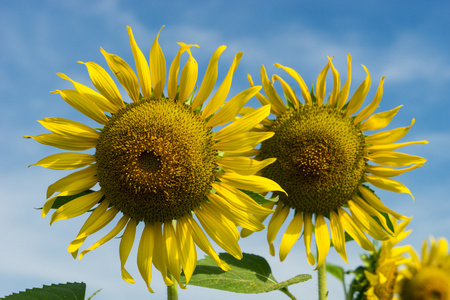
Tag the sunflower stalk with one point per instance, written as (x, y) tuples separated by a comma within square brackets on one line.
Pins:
[(322, 276), (172, 291)]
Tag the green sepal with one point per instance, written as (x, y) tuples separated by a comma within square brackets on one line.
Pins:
[(66, 291), (259, 198), (250, 275), (61, 200)]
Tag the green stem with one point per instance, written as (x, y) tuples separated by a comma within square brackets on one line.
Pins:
[(322, 275), (172, 291), (286, 291)]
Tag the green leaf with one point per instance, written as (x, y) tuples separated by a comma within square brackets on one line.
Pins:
[(336, 271), (66, 291), (250, 275), (259, 198)]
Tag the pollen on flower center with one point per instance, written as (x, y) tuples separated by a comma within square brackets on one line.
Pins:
[(155, 160), (320, 158)]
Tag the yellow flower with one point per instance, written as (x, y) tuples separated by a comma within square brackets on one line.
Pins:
[(322, 155), (429, 278), (157, 161)]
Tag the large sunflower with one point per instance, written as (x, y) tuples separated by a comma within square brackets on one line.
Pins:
[(157, 161), (323, 156)]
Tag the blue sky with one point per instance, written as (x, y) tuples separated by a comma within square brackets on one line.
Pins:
[(407, 43)]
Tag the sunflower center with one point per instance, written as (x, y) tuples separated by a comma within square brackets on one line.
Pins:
[(320, 158), (430, 283), (155, 160)]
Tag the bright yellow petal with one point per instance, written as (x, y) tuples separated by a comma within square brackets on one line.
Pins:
[(246, 231), (77, 206), (243, 165), (291, 235), (104, 83), (388, 136), (379, 120), (64, 142), (67, 127), (366, 222), (360, 94), (278, 218), (346, 88), (376, 203), (173, 258), (336, 84), (231, 109), (338, 235), (243, 124), (188, 77), (157, 67), (219, 97), (172, 85), (322, 239), (261, 98), (354, 231), (277, 104), (392, 147), (209, 80), (145, 255), (202, 242), (114, 232), (369, 109), (65, 161), (300, 81), (188, 253), (126, 243), (83, 105), (321, 85), (142, 66), (395, 159), (160, 255), (372, 211), (77, 181), (251, 183), (387, 184), (288, 91), (307, 236), (242, 142)]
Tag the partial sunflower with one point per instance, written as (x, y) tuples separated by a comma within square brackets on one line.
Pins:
[(157, 161), (429, 278), (322, 155)]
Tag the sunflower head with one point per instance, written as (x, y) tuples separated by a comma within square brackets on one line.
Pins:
[(159, 161), (325, 160)]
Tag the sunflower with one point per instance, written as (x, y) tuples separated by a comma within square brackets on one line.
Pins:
[(429, 278), (323, 157), (157, 161)]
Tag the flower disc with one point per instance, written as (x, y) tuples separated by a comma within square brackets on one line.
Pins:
[(320, 158), (155, 160), (430, 283)]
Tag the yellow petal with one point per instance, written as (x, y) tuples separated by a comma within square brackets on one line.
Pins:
[(114, 232), (387, 184), (247, 231), (126, 243), (142, 66), (395, 159), (376, 203), (77, 206), (322, 239), (172, 85), (388, 136), (188, 77), (202, 242), (338, 235), (346, 88), (291, 235), (366, 222), (83, 105), (251, 183), (288, 91), (321, 85), (157, 67), (231, 109), (307, 236), (124, 74), (369, 109), (392, 147), (65, 161), (278, 218), (336, 84), (379, 120), (67, 127), (243, 124), (242, 142), (173, 258), (209, 80), (160, 255), (145, 255), (261, 98), (77, 181), (354, 231), (243, 165), (219, 97), (188, 253), (360, 94), (372, 211), (303, 87), (64, 142), (104, 83), (277, 104)]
